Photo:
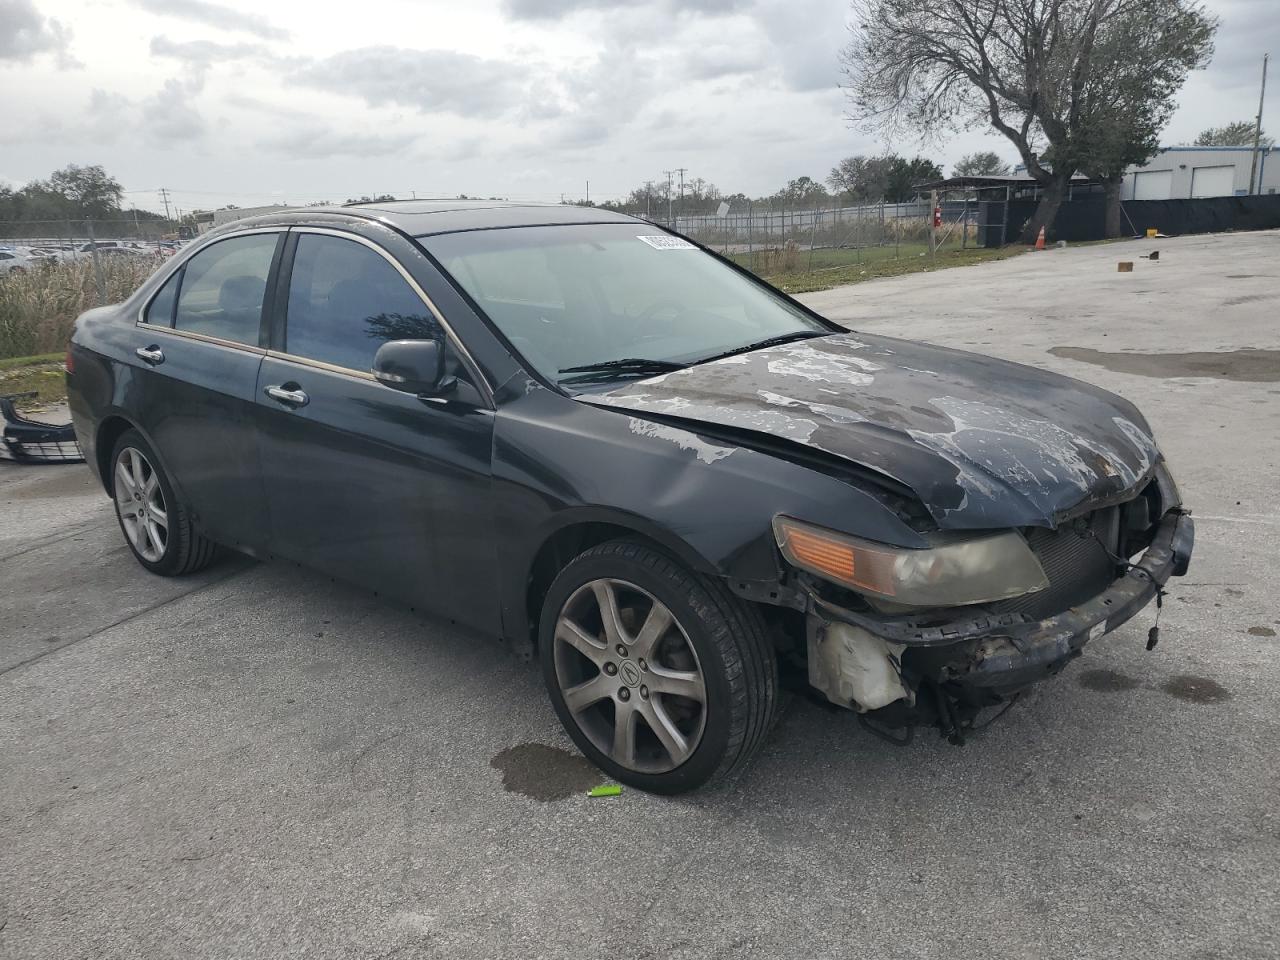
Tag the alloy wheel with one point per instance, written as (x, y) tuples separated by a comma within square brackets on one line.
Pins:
[(140, 504), (629, 676)]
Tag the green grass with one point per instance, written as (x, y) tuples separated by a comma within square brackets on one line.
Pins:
[(834, 268), (42, 374)]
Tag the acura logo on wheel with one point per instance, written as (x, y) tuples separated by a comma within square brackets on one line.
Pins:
[(629, 673)]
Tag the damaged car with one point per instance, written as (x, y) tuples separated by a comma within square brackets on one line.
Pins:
[(670, 484)]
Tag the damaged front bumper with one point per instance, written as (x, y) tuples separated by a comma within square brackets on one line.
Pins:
[(977, 659)]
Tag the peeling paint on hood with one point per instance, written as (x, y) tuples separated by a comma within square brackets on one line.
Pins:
[(983, 442)]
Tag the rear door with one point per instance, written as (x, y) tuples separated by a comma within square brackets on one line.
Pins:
[(200, 341), (365, 482)]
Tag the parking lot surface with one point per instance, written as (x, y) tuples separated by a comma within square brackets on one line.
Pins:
[(257, 762)]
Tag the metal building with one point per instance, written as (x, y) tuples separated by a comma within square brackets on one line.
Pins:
[(1181, 173)]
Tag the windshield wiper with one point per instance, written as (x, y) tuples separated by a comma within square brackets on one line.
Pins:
[(630, 363), (767, 342), (611, 369)]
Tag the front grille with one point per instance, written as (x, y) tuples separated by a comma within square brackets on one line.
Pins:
[(1074, 561)]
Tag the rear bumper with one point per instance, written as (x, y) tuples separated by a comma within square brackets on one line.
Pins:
[(1000, 654)]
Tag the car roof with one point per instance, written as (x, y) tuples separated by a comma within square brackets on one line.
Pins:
[(420, 218)]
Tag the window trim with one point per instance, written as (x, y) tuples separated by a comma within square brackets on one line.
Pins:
[(268, 305), (279, 315)]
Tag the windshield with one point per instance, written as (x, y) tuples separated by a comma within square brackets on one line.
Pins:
[(571, 298)]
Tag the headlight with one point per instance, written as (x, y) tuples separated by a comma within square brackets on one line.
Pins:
[(968, 571)]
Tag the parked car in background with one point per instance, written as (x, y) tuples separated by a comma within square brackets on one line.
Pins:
[(20, 260), (585, 435)]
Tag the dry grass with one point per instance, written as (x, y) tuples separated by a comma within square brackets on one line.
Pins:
[(37, 308)]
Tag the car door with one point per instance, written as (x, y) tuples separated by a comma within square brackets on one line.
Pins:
[(363, 481), (200, 341)]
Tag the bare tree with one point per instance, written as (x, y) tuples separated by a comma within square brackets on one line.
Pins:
[(1025, 67)]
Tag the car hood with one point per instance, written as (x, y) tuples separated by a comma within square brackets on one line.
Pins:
[(983, 443)]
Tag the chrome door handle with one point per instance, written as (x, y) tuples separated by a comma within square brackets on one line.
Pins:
[(290, 398), (152, 355)]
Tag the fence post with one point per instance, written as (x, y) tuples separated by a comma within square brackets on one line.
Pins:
[(99, 279), (964, 229)]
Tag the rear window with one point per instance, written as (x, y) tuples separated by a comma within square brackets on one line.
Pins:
[(223, 288)]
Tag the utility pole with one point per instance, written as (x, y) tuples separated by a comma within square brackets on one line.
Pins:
[(1257, 128), (164, 194), (682, 171), (670, 220), (648, 193)]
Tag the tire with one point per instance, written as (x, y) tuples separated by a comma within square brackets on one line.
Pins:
[(714, 647), (156, 524)]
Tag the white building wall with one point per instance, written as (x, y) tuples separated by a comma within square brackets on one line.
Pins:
[(1198, 171)]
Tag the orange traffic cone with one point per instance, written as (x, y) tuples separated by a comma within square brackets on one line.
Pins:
[(1040, 239)]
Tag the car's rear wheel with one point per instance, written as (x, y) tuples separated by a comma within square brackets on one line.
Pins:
[(156, 524), (662, 678)]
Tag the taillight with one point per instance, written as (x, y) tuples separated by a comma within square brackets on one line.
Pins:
[(69, 364)]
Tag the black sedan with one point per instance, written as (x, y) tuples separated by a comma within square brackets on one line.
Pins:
[(620, 453)]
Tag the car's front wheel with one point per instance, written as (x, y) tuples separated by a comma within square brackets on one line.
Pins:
[(662, 678), (156, 524)]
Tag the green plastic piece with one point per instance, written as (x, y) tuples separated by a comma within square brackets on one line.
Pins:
[(608, 790)]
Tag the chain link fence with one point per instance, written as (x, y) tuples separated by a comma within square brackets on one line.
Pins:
[(772, 242)]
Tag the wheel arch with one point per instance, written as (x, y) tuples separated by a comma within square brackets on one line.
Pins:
[(110, 429), (583, 530)]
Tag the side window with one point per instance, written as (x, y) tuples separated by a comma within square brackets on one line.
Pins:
[(346, 300), (223, 287), (160, 310)]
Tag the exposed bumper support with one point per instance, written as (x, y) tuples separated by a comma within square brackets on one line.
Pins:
[(1001, 653)]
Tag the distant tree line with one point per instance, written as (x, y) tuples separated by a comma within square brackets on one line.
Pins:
[(72, 194)]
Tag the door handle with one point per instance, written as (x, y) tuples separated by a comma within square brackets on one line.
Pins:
[(152, 355), (290, 398)]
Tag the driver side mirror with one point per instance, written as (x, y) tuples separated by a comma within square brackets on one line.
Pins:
[(413, 366)]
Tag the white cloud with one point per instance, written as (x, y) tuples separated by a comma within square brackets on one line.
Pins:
[(25, 34), (524, 98), (215, 15)]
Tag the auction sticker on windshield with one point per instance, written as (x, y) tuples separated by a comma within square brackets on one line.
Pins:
[(668, 243)]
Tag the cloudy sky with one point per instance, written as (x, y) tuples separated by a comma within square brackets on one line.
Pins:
[(235, 101)]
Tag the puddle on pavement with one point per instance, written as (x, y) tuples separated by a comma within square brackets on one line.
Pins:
[(1195, 689), (1262, 631), (1250, 365), (543, 772), (1106, 681)]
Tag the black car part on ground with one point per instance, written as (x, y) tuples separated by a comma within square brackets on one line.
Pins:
[(29, 441)]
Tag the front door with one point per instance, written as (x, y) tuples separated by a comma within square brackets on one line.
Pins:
[(363, 481)]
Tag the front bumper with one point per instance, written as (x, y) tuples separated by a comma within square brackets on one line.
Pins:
[(998, 654)]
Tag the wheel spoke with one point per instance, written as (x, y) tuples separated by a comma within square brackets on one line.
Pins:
[(610, 616), (678, 683), (131, 525), (124, 480), (624, 735), (159, 515), (587, 693), (655, 627), (150, 486), (153, 534), (571, 633), (672, 740), (139, 479)]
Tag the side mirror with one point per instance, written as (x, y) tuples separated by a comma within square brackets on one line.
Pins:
[(413, 366)]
